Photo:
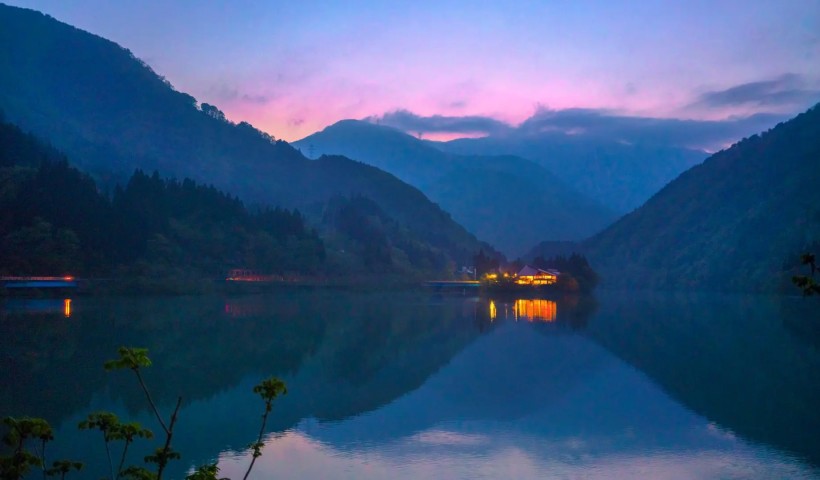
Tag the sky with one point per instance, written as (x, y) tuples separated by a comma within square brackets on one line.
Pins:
[(471, 68)]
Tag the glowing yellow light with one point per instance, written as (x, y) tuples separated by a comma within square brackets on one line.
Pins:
[(67, 307), (532, 310), (493, 310)]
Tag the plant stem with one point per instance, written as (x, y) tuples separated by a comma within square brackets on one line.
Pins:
[(122, 459), (169, 433), (153, 406), (43, 458), (259, 439), (19, 442), (108, 452)]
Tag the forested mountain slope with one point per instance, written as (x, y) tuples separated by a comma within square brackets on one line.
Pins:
[(736, 221)]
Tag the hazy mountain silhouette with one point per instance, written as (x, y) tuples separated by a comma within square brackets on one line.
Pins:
[(619, 175), (509, 201), (736, 221), (111, 114)]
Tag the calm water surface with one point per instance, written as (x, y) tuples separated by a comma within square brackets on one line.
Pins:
[(409, 385)]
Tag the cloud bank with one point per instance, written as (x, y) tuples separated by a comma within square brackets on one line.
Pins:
[(408, 121), (774, 101), (600, 124), (787, 90), (593, 124)]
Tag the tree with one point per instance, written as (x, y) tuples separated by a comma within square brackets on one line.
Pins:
[(485, 264), (213, 112)]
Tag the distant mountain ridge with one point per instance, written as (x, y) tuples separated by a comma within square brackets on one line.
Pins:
[(112, 114), (507, 200), (618, 175), (738, 221)]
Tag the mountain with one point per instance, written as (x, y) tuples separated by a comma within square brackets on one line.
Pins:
[(734, 222), (56, 222), (509, 201), (111, 114), (619, 175)]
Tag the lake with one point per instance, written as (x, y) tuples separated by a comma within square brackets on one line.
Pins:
[(414, 385)]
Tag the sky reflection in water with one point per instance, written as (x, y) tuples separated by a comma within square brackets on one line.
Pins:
[(413, 386)]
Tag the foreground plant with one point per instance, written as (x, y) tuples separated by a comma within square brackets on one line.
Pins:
[(63, 468), (134, 359), (269, 389), (113, 430), (24, 433), (35, 431), (205, 472)]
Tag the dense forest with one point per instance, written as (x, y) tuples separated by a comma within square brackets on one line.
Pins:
[(372, 242), (56, 222), (738, 221)]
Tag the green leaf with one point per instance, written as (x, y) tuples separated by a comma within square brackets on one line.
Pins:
[(130, 357), (270, 388)]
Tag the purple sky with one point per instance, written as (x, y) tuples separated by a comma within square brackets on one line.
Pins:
[(294, 67)]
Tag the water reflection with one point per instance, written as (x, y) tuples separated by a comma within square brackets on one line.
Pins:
[(535, 310), (531, 310), (730, 358), (298, 455), (341, 354), (514, 404), (36, 306), (405, 385)]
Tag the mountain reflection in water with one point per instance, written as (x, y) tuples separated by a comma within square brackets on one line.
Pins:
[(407, 385)]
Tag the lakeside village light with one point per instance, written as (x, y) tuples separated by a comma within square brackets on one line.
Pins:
[(529, 276)]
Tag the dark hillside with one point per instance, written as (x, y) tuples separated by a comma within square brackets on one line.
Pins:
[(734, 222), (511, 202)]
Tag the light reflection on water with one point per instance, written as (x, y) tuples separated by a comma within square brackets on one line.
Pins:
[(37, 306), (398, 385), (528, 309)]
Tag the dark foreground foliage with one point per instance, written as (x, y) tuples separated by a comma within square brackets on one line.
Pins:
[(26, 438)]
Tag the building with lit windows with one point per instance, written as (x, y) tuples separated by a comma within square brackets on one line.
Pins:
[(535, 276)]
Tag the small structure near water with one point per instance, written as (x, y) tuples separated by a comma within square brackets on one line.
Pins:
[(535, 276)]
